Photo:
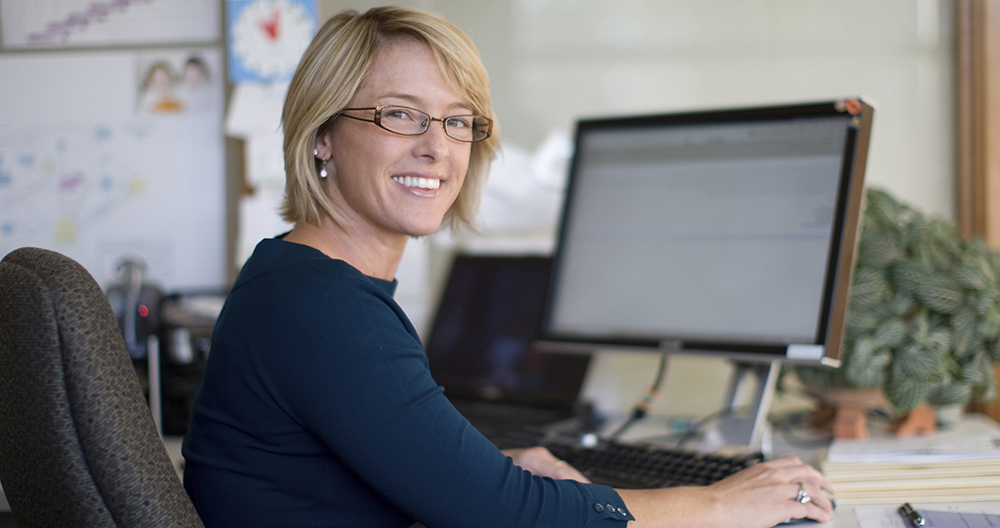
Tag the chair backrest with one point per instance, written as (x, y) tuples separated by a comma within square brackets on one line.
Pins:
[(78, 446)]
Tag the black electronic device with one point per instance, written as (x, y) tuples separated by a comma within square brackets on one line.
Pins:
[(725, 232), (187, 321), (136, 305), (634, 466), (481, 345)]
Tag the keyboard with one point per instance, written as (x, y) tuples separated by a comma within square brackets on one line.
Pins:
[(626, 466)]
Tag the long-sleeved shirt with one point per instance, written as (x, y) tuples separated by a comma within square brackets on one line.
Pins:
[(317, 408)]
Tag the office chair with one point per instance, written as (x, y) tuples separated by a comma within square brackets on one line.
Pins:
[(78, 446)]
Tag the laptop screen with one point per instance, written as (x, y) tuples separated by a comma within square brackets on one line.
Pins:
[(481, 343)]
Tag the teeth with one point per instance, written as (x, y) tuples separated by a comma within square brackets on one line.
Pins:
[(422, 183)]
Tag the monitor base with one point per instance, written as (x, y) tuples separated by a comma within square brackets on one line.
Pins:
[(745, 424)]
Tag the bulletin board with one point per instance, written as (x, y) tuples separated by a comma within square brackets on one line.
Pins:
[(117, 153)]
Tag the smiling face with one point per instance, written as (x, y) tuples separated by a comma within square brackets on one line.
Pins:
[(384, 184)]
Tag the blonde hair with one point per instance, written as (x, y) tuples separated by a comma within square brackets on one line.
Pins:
[(335, 66)]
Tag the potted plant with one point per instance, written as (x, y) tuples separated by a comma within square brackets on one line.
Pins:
[(923, 322)]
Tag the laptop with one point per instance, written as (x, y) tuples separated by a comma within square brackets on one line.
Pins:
[(481, 346)]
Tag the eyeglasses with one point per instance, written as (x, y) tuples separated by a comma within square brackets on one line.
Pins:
[(411, 122)]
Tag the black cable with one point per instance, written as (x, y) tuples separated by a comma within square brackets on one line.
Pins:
[(646, 402), (696, 428)]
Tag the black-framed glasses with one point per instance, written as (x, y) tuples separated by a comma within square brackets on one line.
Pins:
[(407, 121)]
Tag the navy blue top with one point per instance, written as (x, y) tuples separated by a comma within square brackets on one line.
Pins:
[(317, 408)]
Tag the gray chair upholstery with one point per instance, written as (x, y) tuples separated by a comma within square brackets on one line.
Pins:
[(78, 446)]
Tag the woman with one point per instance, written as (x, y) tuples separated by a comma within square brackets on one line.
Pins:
[(317, 407)]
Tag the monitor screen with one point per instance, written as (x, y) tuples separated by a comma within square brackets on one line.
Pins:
[(728, 231)]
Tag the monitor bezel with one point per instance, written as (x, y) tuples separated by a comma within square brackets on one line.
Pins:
[(841, 261)]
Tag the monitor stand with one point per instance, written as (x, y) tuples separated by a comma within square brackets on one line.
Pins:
[(745, 424)]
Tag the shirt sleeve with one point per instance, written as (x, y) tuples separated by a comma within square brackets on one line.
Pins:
[(357, 378)]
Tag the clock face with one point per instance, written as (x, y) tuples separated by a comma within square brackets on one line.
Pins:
[(268, 38)]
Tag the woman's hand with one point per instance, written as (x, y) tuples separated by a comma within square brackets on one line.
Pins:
[(776, 484), (539, 461), (760, 496)]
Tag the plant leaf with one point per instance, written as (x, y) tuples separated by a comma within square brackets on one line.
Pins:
[(971, 278), (905, 393), (989, 324), (890, 333), (909, 275), (881, 207), (869, 288), (976, 370), (941, 294), (879, 248), (949, 394), (919, 362), (963, 333), (865, 366)]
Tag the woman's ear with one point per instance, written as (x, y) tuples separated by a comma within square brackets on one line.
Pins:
[(323, 150)]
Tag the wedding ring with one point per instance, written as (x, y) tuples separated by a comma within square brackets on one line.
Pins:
[(803, 497)]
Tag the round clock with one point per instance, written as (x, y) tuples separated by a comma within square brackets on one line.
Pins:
[(269, 37)]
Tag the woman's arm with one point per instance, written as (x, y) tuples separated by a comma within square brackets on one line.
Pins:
[(540, 461), (758, 497)]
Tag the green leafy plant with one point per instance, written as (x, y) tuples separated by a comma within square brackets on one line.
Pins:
[(923, 322)]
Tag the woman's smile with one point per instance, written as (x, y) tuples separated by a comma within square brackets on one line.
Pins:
[(424, 183)]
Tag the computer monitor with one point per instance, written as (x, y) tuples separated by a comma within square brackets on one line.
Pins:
[(729, 232)]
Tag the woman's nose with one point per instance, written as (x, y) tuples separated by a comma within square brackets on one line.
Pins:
[(434, 142)]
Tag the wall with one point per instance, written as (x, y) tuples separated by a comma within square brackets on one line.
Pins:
[(553, 61)]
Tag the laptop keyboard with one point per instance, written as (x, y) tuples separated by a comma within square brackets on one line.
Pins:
[(626, 466)]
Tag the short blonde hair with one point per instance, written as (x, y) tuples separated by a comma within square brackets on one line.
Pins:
[(335, 66)]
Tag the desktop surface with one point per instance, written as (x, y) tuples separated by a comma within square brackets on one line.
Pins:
[(844, 517)]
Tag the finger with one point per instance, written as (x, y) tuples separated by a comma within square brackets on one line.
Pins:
[(820, 498), (785, 461), (810, 495), (815, 478), (814, 512), (803, 472)]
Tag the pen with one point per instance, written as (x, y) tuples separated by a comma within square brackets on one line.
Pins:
[(911, 515)]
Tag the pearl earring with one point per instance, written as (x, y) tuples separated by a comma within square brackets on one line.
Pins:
[(322, 172)]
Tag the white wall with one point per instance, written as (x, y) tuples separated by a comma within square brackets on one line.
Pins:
[(553, 61)]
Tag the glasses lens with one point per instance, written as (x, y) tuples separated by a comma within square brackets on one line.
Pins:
[(402, 120), (467, 127), (410, 122), (481, 127)]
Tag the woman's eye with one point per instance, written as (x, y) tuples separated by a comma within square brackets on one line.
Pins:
[(397, 113), (459, 122)]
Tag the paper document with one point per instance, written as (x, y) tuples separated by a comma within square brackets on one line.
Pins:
[(976, 437), (936, 516)]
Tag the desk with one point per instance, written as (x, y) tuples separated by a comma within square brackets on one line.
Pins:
[(844, 518), (848, 519), (173, 445)]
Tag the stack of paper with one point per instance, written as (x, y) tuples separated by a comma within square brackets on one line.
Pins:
[(948, 466)]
